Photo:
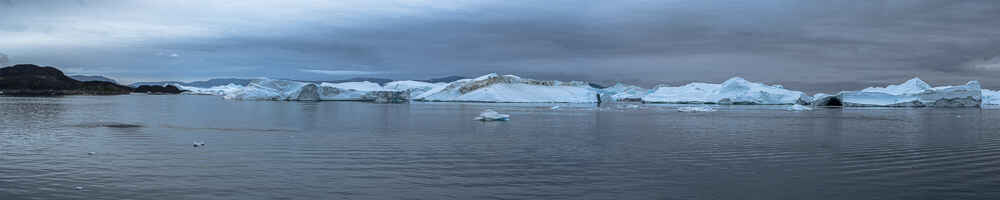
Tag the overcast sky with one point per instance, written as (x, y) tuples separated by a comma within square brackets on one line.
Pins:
[(807, 45)]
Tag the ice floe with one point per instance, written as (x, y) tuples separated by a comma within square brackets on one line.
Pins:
[(490, 115)]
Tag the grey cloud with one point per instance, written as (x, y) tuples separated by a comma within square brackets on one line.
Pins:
[(4, 59), (811, 45)]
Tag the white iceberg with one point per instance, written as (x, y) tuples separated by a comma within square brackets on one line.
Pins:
[(628, 93), (348, 91), (490, 115), (414, 88), (736, 90), (798, 107), (285, 90), (275, 90), (991, 98), (703, 108), (511, 89), (915, 93), (221, 90)]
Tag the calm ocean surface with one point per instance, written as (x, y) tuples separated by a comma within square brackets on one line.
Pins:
[(143, 149)]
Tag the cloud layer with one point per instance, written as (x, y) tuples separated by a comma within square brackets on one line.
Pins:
[(810, 45)]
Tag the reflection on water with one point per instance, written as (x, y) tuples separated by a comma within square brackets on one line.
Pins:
[(353, 150)]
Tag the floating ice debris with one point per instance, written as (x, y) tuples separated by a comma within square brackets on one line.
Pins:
[(555, 108), (696, 109), (632, 106), (78, 188), (91, 153), (490, 115), (798, 107), (199, 144)]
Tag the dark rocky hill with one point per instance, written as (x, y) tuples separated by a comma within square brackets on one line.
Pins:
[(28, 79), (157, 89), (86, 78)]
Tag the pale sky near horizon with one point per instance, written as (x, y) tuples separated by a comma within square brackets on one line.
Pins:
[(806, 45)]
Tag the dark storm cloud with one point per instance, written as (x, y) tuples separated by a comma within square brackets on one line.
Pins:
[(806, 44)]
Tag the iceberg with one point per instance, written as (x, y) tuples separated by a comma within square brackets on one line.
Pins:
[(348, 91), (915, 93), (285, 90), (275, 90), (490, 115), (413, 88), (736, 90), (221, 90), (626, 93), (703, 108), (511, 89), (991, 98)]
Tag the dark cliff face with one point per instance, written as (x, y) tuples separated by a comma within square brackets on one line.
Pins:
[(27, 79), (156, 89), (104, 88), (33, 77)]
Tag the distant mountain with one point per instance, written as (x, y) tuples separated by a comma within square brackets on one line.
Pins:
[(27, 79), (218, 82), (202, 84), (92, 78), (448, 79), (158, 83), (380, 81)]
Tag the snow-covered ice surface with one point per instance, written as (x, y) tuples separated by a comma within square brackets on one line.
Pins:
[(798, 107), (271, 89), (490, 115), (349, 91), (415, 88), (623, 92), (511, 89), (285, 90), (915, 93), (217, 90), (702, 108), (991, 98), (736, 90)]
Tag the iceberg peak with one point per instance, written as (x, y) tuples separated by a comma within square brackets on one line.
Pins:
[(973, 83), (487, 76), (912, 86), (735, 80), (916, 82)]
